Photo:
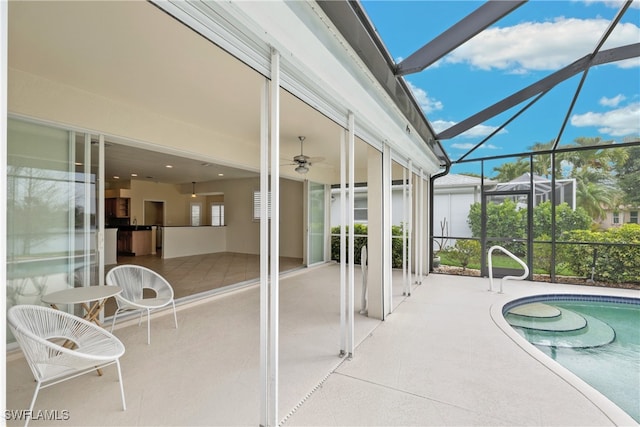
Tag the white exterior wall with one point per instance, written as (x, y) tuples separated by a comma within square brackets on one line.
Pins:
[(396, 206), (453, 205)]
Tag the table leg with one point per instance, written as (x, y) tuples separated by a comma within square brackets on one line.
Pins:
[(91, 314)]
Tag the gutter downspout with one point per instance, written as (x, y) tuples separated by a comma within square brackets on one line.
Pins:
[(447, 168)]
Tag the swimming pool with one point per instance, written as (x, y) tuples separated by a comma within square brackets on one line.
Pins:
[(595, 337)]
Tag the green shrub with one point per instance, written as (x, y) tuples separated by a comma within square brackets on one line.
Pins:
[(616, 263), (465, 251), (567, 219), (542, 255), (503, 220), (361, 240)]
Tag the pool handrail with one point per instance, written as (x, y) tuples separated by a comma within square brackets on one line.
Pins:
[(512, 256)]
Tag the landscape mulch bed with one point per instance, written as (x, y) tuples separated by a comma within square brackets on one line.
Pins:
[(570, 280)]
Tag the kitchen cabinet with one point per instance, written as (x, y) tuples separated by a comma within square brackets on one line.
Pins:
[(117, 207)]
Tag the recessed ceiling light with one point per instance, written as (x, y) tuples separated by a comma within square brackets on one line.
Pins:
[(116, 177), (168, 166), (220, 174), (134, 174)]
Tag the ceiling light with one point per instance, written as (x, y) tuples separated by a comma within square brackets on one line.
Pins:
[(168, 166), (220, 174), (193, 189), (302, 169), (116, 177), (134, 174)]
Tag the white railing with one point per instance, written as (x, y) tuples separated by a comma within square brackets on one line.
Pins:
[(515, 258)]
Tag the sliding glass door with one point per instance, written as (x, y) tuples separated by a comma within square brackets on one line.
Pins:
[(51, 211), (316, 236)]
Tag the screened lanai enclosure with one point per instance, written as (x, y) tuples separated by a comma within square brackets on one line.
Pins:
[(431, 131), (578, 225), (545, 164), (565, 198)]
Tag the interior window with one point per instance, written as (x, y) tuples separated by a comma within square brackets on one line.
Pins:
[(195, 214), (217, 214)]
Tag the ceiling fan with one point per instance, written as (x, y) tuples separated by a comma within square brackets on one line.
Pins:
[(302, 162)]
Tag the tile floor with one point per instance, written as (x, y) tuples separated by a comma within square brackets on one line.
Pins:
[(441, 358), (200, 273)]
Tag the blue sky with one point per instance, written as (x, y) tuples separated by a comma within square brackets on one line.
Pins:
[(527, 45)]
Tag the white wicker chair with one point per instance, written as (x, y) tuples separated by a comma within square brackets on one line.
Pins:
[(133, 279), (45, 336)]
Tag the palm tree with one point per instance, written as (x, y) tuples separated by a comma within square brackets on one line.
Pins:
[(511, 170), (541, 162), (592, 194)]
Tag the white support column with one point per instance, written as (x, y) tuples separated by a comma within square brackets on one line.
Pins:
[(264, 255), (343, 243), (269, 244), (405, 287), (274, 297), (4, 35), (86, 220), (387, 278), (420, 237), (410, 227), (351, 283), (375, 235), (101, 220)]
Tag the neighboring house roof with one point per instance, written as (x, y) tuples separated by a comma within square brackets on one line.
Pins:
[(526, 177), (455, 180)]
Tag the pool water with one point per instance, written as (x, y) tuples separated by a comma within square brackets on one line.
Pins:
[(599, 341)]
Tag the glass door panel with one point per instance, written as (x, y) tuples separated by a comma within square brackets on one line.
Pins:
[(51, 212), (316, 223)]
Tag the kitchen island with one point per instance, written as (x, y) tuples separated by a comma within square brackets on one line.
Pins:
[(135, 240), (189, 241)]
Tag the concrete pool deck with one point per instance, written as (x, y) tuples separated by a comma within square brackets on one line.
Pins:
[(441, 358), (447, 357)]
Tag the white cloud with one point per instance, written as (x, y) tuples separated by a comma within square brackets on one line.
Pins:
[(427, 103), (613, 3), (481, 130), (475, 132), (619, 122), (540, 45), (612, 102), (463, 146), (440, 125), (468, 146)]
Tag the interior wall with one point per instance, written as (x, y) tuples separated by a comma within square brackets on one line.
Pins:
[(176, 204), (243, 233)]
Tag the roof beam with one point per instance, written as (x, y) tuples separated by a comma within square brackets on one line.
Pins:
[(459, 33), (603, 57)]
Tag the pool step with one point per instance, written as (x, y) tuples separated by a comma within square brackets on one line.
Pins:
[(551, 326)]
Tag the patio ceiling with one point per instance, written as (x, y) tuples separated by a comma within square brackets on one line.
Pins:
[(133, 53)]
